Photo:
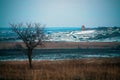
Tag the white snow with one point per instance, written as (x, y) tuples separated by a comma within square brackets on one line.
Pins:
[(85, 32), (87, 35)]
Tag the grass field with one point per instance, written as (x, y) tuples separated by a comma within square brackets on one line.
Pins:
[(83, 69)]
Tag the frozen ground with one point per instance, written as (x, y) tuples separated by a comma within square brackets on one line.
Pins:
[(109, 34), (59, 54)]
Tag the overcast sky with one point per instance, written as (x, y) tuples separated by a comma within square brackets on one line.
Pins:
[(64, 13)]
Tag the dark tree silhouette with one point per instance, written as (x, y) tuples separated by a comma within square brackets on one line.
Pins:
[(31, 34)]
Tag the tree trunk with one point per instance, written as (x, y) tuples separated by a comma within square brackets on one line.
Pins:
[(30, 57)]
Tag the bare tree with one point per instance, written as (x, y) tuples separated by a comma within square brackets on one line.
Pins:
[(31, 34)]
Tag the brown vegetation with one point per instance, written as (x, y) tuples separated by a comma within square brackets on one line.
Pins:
[(84, 69), (63, 45)]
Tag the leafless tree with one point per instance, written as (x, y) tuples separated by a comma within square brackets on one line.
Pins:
[(31, 34)]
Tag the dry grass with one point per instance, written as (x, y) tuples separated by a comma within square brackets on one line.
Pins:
[(63, 45), (84, 69)]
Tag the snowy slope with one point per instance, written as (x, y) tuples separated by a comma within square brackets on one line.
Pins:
[(87, 35)]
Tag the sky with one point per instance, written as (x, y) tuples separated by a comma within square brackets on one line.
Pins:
[(61, 13)]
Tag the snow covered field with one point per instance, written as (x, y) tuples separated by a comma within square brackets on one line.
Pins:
[(107, 34)]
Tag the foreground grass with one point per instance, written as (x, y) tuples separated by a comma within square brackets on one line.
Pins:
[(84, 69)]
